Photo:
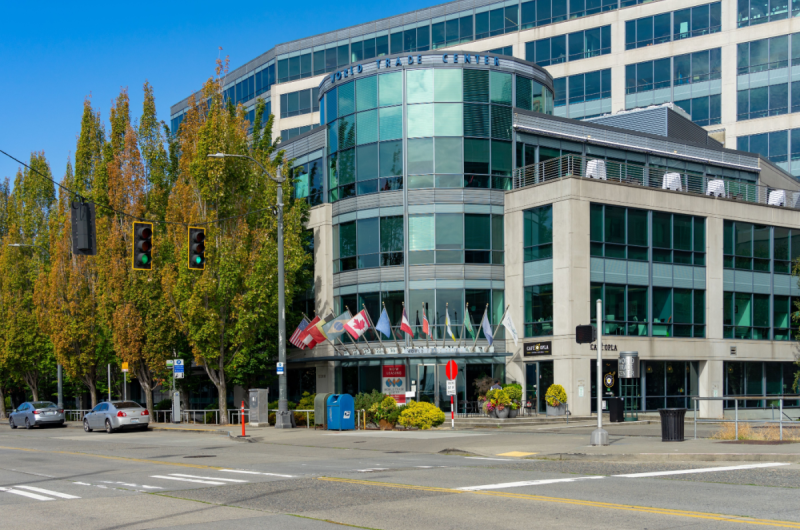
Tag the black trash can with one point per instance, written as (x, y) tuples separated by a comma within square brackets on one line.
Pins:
[(616, 411), (672, 424)]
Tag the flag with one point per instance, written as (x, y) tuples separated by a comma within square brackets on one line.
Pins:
[(468, 322), (404, 324), (335, 328), (316, 332), (306, 337), (357, 325), (426, 328), (447, 323), (509, 325), (296, 335), (487, 329), (384, 326)]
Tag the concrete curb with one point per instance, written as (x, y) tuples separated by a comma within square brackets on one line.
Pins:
[(673, 457), (188, 430)]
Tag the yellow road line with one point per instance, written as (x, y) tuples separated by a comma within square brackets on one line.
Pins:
[(577, 502), (516, 453), (106, 457)]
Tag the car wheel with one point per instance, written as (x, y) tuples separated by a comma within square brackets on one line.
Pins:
[(11, 423), (27, 424), (109, 430), (86, 426)]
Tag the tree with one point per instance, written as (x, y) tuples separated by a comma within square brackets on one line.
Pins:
[(26, 350), (222, 309)]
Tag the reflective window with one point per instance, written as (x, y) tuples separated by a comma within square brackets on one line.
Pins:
[(300, 102), (754, 12), (582, 44), (780, 147), (772, 100), (538, 233), (764, 54), (368, 243), (455, 238), (539, 310), (705, 110)]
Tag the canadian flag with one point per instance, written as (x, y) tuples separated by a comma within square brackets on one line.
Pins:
[(357, 325)]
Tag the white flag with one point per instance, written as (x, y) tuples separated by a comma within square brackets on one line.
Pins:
[(509, 325)]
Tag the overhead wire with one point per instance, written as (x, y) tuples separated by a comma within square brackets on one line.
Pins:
[(126, 214)]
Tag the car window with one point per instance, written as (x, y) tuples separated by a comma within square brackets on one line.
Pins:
[(127, 405), (103, 407), (44, 405), (98, 408), (23, 407)]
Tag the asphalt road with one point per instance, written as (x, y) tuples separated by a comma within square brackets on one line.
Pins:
[(65, 478)]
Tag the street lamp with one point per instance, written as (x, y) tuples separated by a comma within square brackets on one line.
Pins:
[(282, 418), (60, 369)]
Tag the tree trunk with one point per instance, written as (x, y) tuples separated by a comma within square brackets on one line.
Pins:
[(32, 380), (146, 382), (91, 385), (2, 404), (218, 378)]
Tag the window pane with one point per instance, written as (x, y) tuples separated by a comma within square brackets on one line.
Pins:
[(476, 120), (596, 222), (449, 231), (615, 224), (742, 312), (476, 156), (477, 230), (346, 98), (448, 119), (421, 232), (476, 86), (637, 227), (448, 155), (367, 93), (449, 85), (390, 89), (419, 84), (781, 238), (347, 239), (744, 239), (500, 87), (699, 234), (501, 158), (392, 234), (367, 162), (683, 306), (420, 120), (367, 127), (498, 233), (637, 306), (420, 156), (614, 303), (391, 123), (682, 235), (662, 305), (662, 230), (391, 158), (368, 236)]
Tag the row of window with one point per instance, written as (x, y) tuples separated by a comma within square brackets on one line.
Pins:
[(705, 110), (747, 316), (308, 182), (751, 247), (780, 147), (251, 86), (455, 238), (538, 233), (582, 87), (624, 233), (562, 48), (368, 243), (300, 102), (768, 54), (772, 100), (539, 310), (684, 69), (753, 12), (759, 379), (288, 134), (677, 25)]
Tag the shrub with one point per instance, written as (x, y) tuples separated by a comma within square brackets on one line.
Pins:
[(500, 400), (364, 401), (306, 403), (421, 415), (382, 411), (164, 404), (483, 385), (514, 391), (555, 396)]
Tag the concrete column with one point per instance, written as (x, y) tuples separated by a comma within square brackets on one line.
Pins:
[(514, 279), (714, 286), (711, 385), (572, 373)]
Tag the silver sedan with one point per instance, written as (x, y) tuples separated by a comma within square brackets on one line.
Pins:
[(117, 415), (33, 413)]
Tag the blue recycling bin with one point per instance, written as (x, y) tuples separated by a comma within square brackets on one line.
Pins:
[(341, 412)]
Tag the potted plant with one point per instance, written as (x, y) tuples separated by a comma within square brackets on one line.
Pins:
[(501, 403), (514, 410), (556, 399), (514, 391)]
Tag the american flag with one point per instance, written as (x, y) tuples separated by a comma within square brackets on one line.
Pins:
[(299, 331)]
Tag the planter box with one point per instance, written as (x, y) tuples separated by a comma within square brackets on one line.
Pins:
[(560, 410), (502, 413), (513, 413)]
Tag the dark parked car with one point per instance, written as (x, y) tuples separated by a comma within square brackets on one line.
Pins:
[(33, 413)]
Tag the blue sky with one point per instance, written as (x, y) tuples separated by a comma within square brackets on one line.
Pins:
[(58, 53)]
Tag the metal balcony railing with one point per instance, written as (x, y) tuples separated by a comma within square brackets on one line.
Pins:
[(652, 177)]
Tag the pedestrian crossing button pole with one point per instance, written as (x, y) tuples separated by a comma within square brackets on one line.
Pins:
[(599, 435)]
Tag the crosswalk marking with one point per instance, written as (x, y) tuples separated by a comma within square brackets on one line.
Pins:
[(700, 470), (524, 483), (196, 481), (206, 478), (48, 492), (130, 485), (256, 473), (27, 494)]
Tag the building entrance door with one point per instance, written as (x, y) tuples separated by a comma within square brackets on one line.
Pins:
[(531, 386), (426, 384)]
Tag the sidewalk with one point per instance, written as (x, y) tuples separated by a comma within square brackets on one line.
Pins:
[(629, 442)]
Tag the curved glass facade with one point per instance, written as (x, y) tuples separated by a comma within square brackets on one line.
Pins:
[(451, 127)]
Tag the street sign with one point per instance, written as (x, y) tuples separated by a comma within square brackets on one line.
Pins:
[(280, 369), (451, 387), (169, 363), (451, 370), (124, 367), (177, 369), (178, 375)]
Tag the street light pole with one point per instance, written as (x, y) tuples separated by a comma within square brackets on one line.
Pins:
[(599, 435), (60, 370), (283, 419)]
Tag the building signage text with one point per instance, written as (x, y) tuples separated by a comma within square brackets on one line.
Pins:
[(538, 348), (606, 347), (455, 58)]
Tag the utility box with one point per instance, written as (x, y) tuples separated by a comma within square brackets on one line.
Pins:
[(259, 403), (628, 365), (176, 407), (341, 412), (321, 410)]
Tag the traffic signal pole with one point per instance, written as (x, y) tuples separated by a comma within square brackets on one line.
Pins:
[(599, 435)]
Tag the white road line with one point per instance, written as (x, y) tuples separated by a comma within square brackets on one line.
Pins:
[(700, 470), (485, 458), (524, 483), (27, 494), (48, 492), (256, 473), (212, 483), (207, 478), (126, 484), (372, 469)]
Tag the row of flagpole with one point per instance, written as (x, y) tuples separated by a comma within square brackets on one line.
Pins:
[(309, 333)]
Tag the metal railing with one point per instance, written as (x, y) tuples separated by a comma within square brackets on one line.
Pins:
[(736, 421), (75, 414), (652, 177)]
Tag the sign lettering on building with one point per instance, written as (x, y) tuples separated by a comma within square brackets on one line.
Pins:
[(532, 349), (606, 347), (382, 64)]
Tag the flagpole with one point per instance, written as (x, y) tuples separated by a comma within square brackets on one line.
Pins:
[(446, 319), (425, 319), (463, 325), (409, 325), (397, 345), (500, 322), (378, 333), (355, 342), (477, 332)]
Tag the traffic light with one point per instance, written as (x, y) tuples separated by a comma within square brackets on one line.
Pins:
[(585, 334), (84, 242), (197, 248), (142, 246)]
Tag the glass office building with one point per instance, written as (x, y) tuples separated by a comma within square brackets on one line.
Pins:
[(457, 183)]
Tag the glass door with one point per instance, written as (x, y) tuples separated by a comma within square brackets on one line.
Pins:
[(545, 380), (426, 383), (531, 387)]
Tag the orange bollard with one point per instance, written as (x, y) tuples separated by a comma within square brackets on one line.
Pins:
[(242, 419)]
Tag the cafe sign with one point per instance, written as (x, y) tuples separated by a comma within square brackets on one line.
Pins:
[(533, 349)]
